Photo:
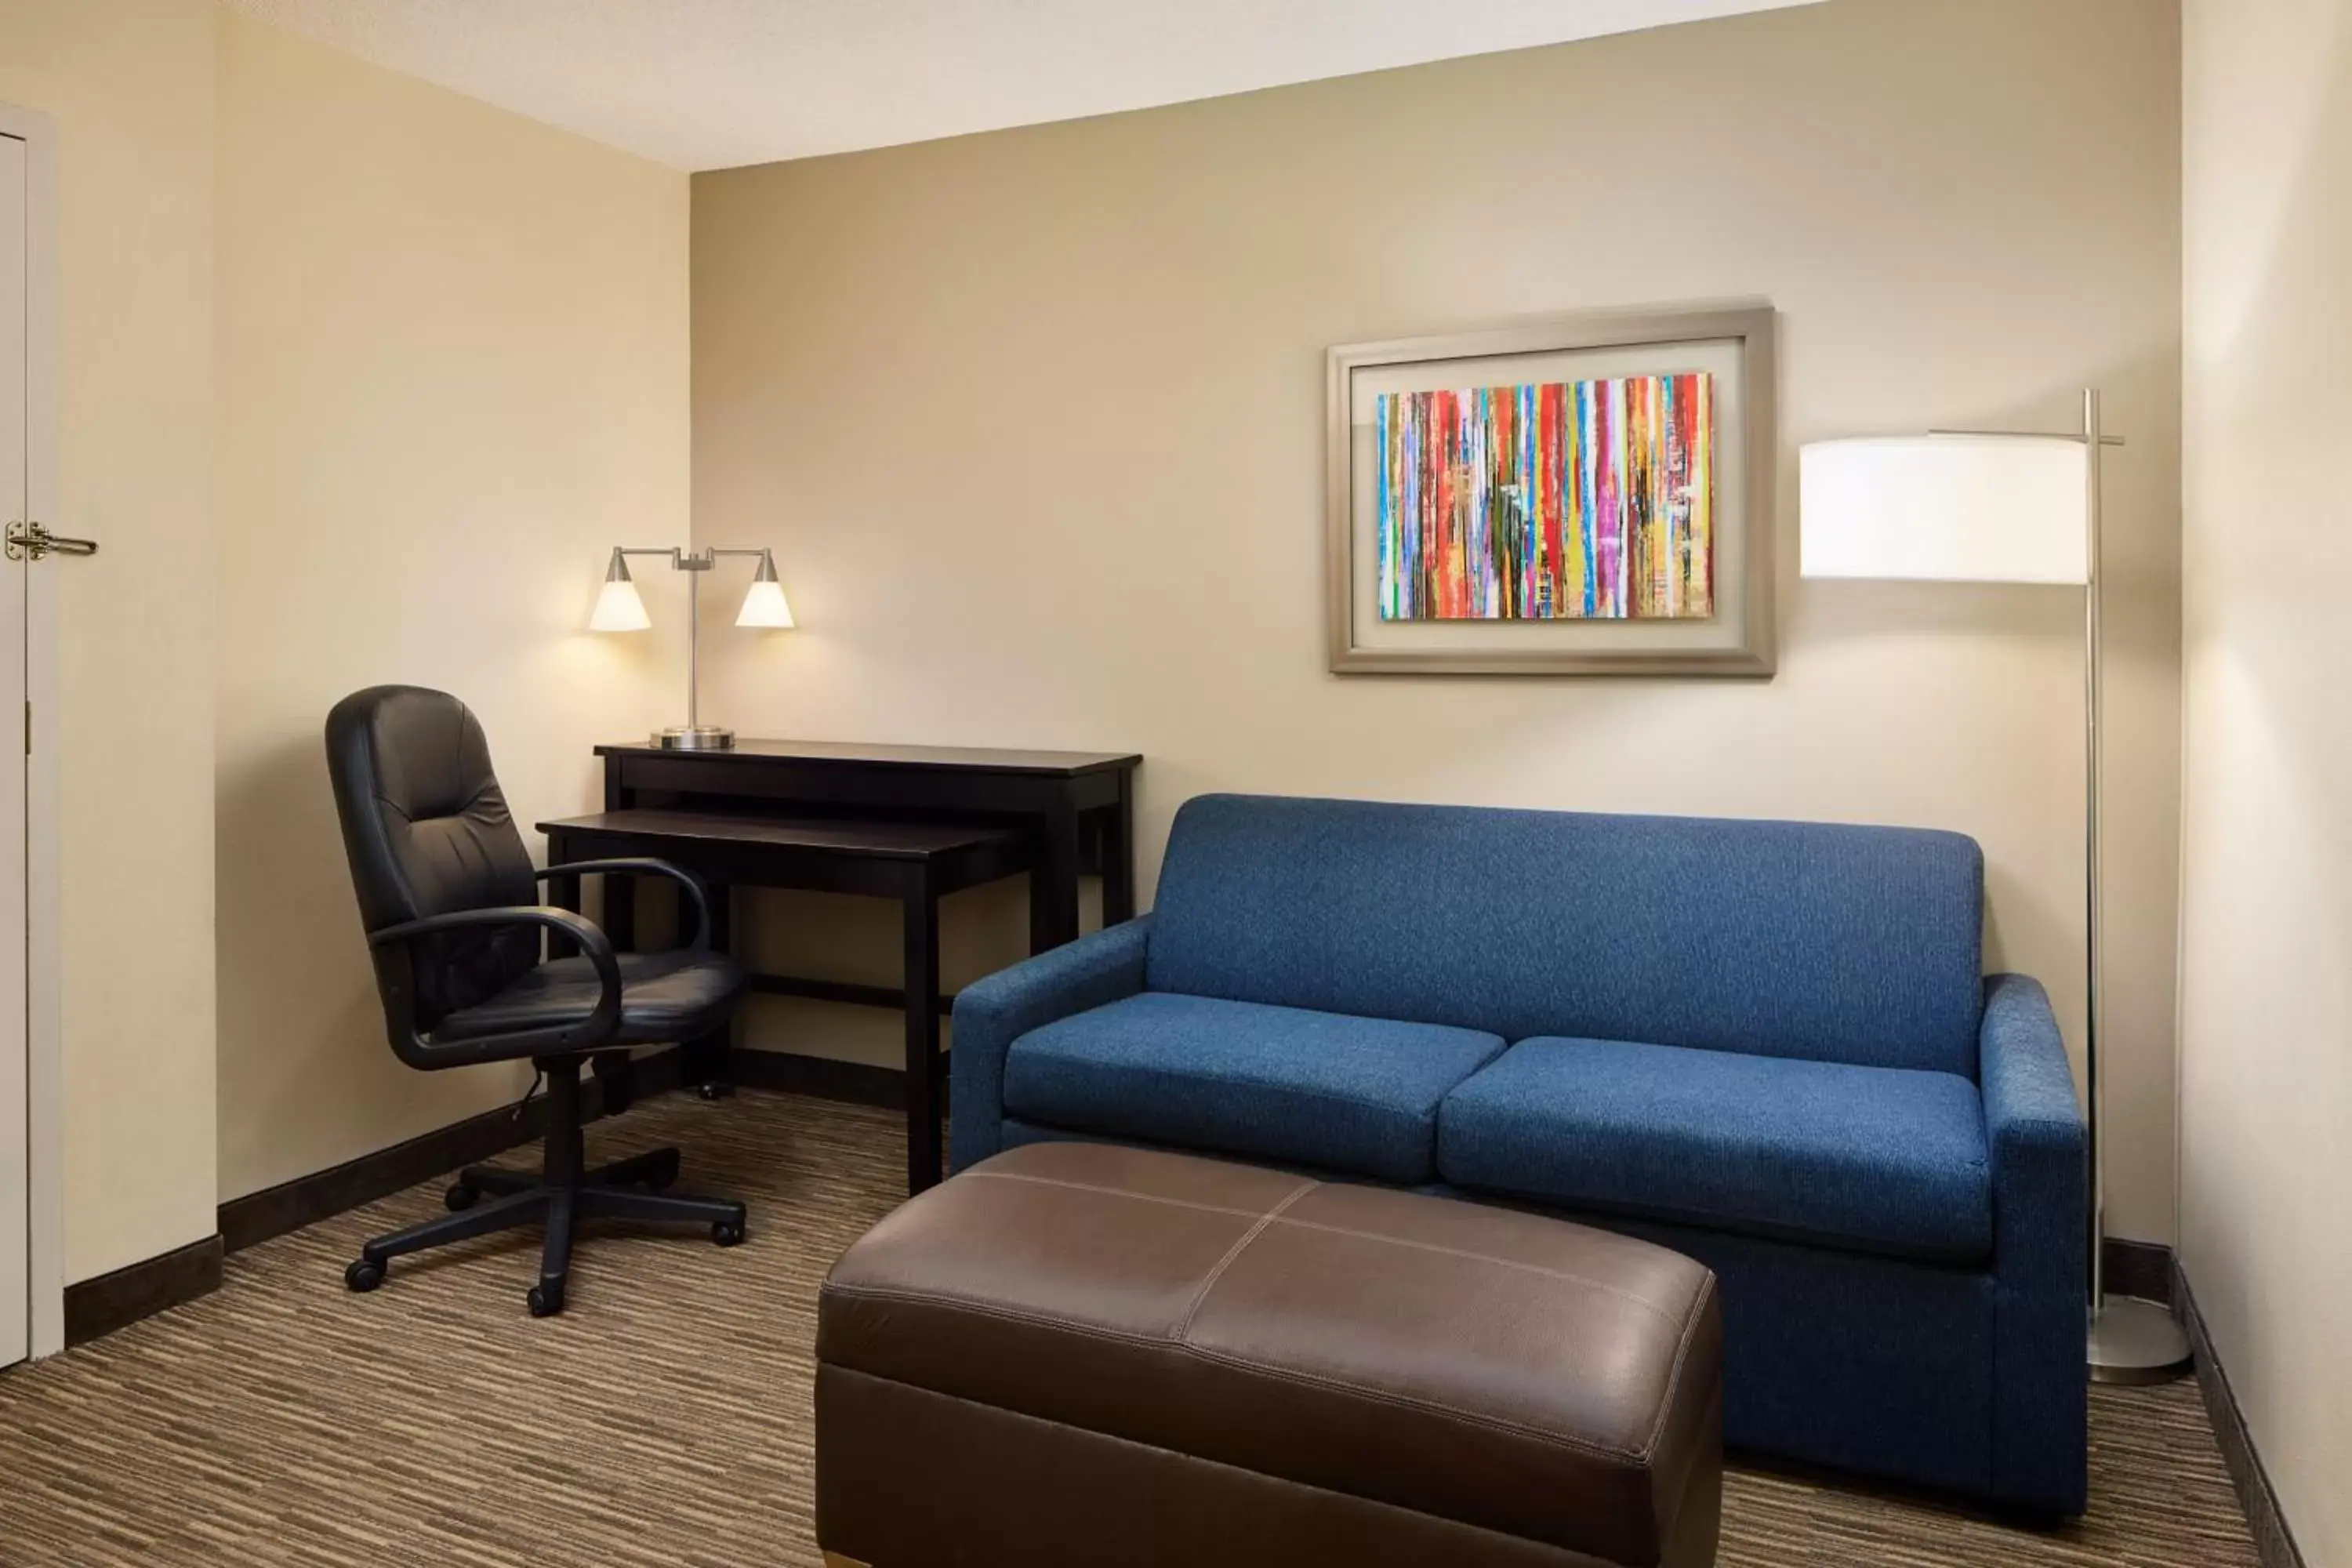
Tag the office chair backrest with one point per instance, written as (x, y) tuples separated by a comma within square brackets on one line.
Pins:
[(427, 831)]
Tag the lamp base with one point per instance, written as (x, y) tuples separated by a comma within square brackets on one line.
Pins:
[(695, 738), (2136, 1342)]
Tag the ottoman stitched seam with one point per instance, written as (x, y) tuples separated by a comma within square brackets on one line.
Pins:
[(1113, 1192), (1184, 1324), (1559, 1274), (1682, 1357), (1562, 1275)]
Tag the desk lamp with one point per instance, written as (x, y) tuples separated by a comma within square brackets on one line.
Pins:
[(618, 609)]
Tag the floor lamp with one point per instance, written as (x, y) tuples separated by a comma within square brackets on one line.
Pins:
[(2002, 507)]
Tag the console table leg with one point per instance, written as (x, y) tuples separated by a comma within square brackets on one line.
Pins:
[(920, 903), (1054, 885), (1119, 854)]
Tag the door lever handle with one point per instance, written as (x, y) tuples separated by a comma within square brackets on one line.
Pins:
[(30, 541)]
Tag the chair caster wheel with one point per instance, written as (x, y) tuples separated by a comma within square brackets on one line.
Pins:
[(461, 1195), (364, 1275), (715, 1090), (727, 1233), (545, 1300)]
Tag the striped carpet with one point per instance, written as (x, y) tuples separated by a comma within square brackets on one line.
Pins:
[(664, 1421)]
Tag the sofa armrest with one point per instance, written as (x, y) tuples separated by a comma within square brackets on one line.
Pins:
[(2040, 1216), (2034, 1132), (992, 1013)]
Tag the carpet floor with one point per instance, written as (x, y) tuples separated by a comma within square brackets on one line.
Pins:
[(663, 1421)]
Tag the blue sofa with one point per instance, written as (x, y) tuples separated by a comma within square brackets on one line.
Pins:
[(1767, 1044)]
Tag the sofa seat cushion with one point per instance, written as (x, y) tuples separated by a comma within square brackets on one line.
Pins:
[(1883, 1160), (1357, 1095)]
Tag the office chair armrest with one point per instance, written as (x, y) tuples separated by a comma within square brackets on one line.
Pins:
[(645, 866), (596, 1029)]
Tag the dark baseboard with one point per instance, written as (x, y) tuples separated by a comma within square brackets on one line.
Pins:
[(322, 1195), (102, 1305), (2274, 1541), (2141, 1268), (2148, 1270), (111, 1302), (861, 1083)]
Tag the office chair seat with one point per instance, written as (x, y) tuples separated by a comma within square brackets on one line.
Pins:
[(665, 997)]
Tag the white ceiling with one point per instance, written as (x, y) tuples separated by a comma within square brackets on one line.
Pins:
[(709, 84)]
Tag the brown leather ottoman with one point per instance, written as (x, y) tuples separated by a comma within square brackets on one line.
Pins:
[(1086, 1355)]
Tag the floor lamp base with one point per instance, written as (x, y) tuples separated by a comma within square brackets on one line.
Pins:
[(2136, 1342)]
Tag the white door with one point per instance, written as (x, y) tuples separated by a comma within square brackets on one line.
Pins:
[(16, 1287)]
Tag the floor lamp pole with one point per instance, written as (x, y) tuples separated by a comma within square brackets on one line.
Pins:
[(2093, 442), (2130, 1341)]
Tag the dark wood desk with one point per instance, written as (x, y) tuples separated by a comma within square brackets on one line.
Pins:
[(1068, 814), (1077, 807), (915, 862)]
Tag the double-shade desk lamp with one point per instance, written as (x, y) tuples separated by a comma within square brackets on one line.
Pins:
[(618, 609), (1986, 506)]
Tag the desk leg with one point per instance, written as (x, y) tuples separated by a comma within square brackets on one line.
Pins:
[(1054, 884), (563, 892), (921, 902), (704, 1063), (620, 921), (1118, 853)]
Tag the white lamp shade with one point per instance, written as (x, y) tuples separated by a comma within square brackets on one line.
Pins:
[(765, 605), (618, 608), (1952, 508)]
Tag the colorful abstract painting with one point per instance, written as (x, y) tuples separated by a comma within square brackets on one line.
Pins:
[(1558, 500)]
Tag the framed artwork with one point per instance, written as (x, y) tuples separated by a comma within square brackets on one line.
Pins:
[(1587, 495)]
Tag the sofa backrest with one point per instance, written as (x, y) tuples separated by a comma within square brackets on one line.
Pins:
[(1786, 939)]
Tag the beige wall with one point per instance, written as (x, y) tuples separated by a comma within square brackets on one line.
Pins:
[(1034, 420), (128, 85), (451, 368), (453, 374), (2266, 930)]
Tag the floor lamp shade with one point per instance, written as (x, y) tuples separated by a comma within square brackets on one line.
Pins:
[(1947, 508)]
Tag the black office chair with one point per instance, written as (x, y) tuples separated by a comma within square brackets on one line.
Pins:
[(451, 905)]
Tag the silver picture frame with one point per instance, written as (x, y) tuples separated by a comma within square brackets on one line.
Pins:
[(1736, 342)]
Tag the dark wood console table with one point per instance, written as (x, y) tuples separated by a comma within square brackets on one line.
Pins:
[(1077, 806), (907, 822)]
